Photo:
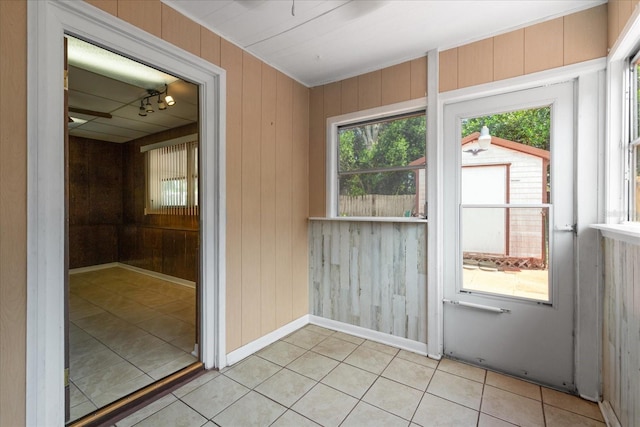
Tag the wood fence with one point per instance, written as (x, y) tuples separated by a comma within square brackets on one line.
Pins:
[(377, 205)]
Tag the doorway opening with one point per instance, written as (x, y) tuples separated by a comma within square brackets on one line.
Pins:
[(133, 226)]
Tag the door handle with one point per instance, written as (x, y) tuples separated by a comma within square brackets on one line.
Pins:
[(567, 227), (497, 310)]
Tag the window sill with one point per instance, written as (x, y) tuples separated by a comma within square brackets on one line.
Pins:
[(370, 219), (626, 232)]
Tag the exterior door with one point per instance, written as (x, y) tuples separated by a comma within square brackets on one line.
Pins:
[(510, 308)]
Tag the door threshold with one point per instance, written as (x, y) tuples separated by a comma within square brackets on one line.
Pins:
[(124, 406)]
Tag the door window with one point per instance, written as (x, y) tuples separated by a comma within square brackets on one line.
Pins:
[(504, 210)]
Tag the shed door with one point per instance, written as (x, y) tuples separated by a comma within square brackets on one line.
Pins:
[(484, 184)]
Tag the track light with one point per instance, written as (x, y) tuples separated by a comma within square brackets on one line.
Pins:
[(145, 103), (161, 104)]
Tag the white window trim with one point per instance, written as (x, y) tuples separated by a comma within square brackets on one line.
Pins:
[(48, 21), (333, 123), (616, 203)]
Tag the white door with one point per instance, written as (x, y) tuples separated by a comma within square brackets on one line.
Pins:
[(510, 314)]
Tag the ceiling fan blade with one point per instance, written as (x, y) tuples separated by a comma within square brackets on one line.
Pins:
[(90, 112)]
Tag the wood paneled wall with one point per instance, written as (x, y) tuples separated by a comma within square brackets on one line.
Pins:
[(168, 244), (398, 83), (370, 274), (567, 40), (619, 12), (621, 331), (95, 201), (563, 41), (267, 174), (13, 211)]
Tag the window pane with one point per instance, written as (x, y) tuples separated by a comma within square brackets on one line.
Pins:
[(382, 144), (636, 104), (400, 194), (505, 251), (637, 182)]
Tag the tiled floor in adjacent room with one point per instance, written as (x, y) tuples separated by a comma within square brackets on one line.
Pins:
[(316, 376), (126, 330)]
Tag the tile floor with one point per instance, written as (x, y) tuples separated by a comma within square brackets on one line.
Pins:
[(316, 376), (126, 330)]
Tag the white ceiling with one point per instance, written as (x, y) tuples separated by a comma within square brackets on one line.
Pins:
[(328, 40)]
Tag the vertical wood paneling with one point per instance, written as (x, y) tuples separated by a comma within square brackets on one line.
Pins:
[(317, 152), (613, 29), (395, 83), (144, 14), (621, 331), (349, 95), (210, 46), (284, 188), (231, 60), (332, 100), (448, 70), (508, 55), (300, 202), (543, 46), (109, 6), (370, 274), (474, 63), (418, 78), (369, 90), (268, 205), (13, 212), (251, 198), (585, 35), (180, 30)]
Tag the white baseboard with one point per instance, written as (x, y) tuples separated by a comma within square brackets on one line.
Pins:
[(93, 268), (254, 346), (381, 337), (607, 413), (155, 274)]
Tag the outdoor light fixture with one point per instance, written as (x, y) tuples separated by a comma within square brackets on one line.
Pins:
[(484, 140), (145, 103)]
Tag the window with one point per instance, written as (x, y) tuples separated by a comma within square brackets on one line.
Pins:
[(380, 168), (172, 177), (634, 143)]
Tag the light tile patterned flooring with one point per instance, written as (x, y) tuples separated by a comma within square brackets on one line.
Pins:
[(126, 330), (316, 376)]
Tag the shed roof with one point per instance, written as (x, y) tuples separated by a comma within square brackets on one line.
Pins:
[(500, 142)]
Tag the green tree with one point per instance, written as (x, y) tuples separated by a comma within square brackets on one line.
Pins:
[(530, 127), (381, 145)]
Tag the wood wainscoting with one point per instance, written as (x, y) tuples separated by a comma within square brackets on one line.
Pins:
[(370, 274)]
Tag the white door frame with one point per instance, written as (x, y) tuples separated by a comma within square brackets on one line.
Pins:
[(589, 130), (48, 21)]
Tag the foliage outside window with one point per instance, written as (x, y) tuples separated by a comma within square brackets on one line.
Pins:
[(634, 145), (381, 167), (172, 179)]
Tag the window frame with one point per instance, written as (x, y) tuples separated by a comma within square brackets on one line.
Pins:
[(373, 114), (633, 139)]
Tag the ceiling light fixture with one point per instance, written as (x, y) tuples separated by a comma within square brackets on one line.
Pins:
[(484, 140), (145, 103), (142, 111)]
